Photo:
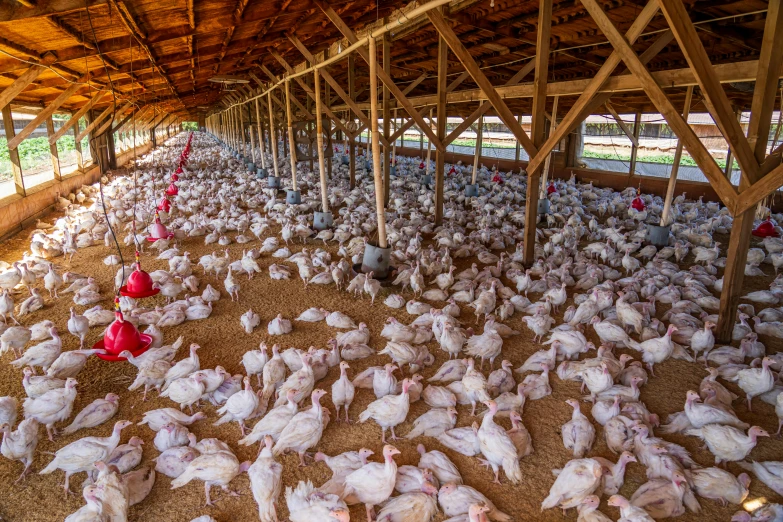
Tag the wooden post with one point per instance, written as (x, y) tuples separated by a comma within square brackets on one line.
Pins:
[(272, 138), (440, 158), (291, 138), (320, 141), (352, 118), (260, 135), (667, 202), (538, 129), (386, 44), (308, 126), (16, 165), (252, 144), (762, 105), (376, 148), (53, 150), (242, 129), (548, 162), (637, 126), (394, 145), (77, 144), (479, 137), (517, 147), (429, 146)]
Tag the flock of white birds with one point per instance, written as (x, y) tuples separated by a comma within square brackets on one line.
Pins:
[(590, 250)]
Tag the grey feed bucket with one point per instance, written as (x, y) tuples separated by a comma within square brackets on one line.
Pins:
[(367, 165), (471, 191), (322, 220), (293, 197), (658, 235), (251, 167), (543, 206), (426, 180), (393, 170), (261, 173), (274, 182), (376, 260), (345, 160)]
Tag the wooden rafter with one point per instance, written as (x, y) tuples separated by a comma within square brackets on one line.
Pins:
[(715, 98), (478, 76), (382, 75), (726, 192)]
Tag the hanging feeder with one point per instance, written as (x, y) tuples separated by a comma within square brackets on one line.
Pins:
[(121, 335), (158, 231), (765, 229), (637, 204), (139, 283), (172, 190), (164, 205)]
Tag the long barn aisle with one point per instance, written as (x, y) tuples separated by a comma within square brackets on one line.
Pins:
[(464, 323)]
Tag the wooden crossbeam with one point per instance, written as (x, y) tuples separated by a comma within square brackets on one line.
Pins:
[(576, 114), (681, 128), (538, 127), (24, 79), (624, 126), (330, 80), (715, 98), (461, 52), (485, 106), (94, 123), (98, 97), (414, 84), (408, 124), (46, 112), (382, 75), (269, 73)]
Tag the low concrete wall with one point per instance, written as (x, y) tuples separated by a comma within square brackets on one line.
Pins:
[(40, 200)]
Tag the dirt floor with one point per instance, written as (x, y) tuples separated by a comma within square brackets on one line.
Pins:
[(223, 341)]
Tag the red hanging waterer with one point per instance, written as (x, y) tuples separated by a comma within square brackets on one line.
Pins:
[(139, 283), (172, 190), (121, 335)]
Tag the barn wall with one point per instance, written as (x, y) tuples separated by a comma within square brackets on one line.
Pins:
[(40, 200), (600, 178)]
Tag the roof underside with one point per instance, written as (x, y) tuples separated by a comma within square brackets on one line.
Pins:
[(165, 52)]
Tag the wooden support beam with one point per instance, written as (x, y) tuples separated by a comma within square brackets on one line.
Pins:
[(351, 113), (291, 137), (385, 78), (16, 164), (667, 201), (414, 84), (97, 98), (486, 106), (24, 79), (376, 148), (483, 82), (320, 141), (440, 156), (577, 112), (53, 155), (637, 126), (623, 126), (272, 137), (95, 122), (386, 48), (45, 113), (726, 192), (715, 98), (330, 80), (538, 128)]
